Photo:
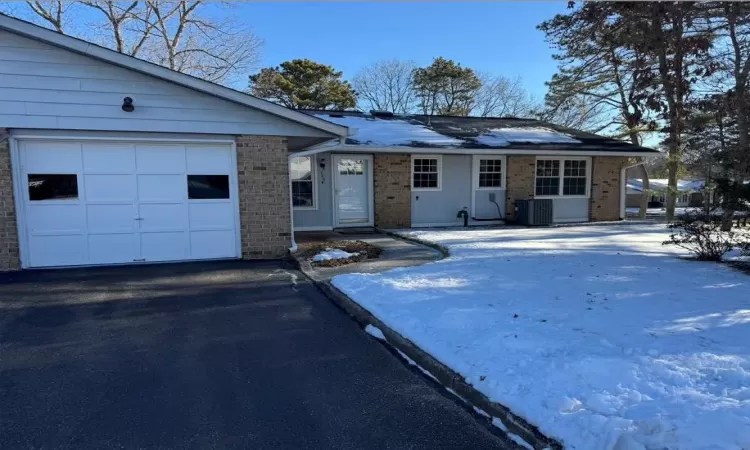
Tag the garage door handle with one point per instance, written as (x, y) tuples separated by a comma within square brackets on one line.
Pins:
[(138, 218)]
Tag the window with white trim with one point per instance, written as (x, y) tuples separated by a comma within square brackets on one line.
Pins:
[(490, 173), (425, 173), (562, 177), (302, 172)]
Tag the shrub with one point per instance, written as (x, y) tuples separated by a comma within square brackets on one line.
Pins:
[(701, 235)]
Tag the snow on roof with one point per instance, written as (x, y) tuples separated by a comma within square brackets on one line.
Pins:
[(496, 137), (389, 133), (661, 184)]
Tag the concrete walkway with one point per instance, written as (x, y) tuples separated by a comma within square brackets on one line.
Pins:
[(396, 253)]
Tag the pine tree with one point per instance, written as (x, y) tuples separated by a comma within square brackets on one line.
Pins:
[(303, 84), (446, 88)]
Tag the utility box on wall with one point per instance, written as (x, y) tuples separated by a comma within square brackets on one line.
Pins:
[(534, 211)]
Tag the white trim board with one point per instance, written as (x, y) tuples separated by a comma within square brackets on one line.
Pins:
[(80, 46), (467, 151), (317, 228)]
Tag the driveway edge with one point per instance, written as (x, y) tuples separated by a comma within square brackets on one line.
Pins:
[(442, 373)]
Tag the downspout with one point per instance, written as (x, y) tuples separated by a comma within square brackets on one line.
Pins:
[(624, 187)]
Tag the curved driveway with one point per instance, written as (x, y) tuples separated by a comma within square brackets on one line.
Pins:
[(205, 355)]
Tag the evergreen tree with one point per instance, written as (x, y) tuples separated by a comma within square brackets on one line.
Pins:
[(303, 84), (446, 88)]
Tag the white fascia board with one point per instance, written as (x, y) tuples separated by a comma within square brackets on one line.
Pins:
[(38, 33), (463, 151)]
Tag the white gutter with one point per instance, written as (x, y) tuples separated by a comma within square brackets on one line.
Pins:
[(624, 187), (459, 151)]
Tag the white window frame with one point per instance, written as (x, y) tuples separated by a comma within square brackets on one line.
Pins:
[(562, 176), (313, 178), (476, 164), (439, 159)]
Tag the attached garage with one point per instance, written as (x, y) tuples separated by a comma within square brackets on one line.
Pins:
[(108, 202), (107, 159)]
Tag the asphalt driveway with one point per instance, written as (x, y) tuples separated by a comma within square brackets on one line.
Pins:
[(205, 355)]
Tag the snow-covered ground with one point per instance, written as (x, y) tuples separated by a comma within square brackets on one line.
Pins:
[(333, 253), (600, 336)]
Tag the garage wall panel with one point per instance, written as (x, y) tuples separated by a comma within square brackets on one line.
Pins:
[(43, 86)]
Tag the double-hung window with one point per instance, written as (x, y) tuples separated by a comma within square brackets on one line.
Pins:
[(489, 172), (302, 172), (425, 173), (562, 177)]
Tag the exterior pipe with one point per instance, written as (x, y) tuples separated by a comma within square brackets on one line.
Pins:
[(624, 187)]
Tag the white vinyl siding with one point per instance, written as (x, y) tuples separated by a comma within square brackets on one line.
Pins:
[(45, 87)]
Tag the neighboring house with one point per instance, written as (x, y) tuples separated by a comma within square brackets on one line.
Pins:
[(418, 171), (194, 171), (690, 192)]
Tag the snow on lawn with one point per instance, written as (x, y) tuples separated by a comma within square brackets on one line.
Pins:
[(599, 335), (333, 253)]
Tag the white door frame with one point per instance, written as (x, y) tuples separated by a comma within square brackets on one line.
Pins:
[(19, 185), (370, 188), (475, 159)]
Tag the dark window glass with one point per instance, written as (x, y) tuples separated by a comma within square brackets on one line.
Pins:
[(574, 186), (53, 187), (425, 173), (208, 187), (490, 173), (547, 186), (302, 193)]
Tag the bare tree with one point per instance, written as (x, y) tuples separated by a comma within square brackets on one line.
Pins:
[(130, 25), (386, 85), (500, 96), (51, 11), (180, 35)]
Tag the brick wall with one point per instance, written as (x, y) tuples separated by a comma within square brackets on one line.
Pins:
[(605, 188), (520, 181), (263, 177), (392, 180), (9, 254)]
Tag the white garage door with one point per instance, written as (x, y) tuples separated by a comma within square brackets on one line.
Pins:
[(122, 202)]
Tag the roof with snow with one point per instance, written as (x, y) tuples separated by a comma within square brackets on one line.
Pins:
[(395, 130), (660, 184)]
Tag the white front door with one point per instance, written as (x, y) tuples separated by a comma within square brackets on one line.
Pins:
[(109, 202), (352, 190)]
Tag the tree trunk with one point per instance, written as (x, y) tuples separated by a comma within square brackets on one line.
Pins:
[(646, 195)]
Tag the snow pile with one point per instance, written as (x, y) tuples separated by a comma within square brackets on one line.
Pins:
[(374, 331), (333, 253), (500, 137), (600, 336), (389, 133)]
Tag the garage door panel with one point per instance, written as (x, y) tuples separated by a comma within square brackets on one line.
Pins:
[(212, 244), (104, 219), (56, 250), (51, 157), (55, 218), (108, 157), (160, 158), (113, 248), (209, 160), (166, 246), (109, 188), (115, 202), (211, 216), (162, 188)]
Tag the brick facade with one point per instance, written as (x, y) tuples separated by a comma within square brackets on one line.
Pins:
[(263, 178), (520, 181), (9, 253), (605, 187), (392, 181)]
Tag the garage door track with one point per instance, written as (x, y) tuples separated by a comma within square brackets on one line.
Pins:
[(205, 355)]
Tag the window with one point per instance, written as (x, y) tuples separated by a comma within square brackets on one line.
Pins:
[(53, 187), (572, 180), (426, 173), (490, 173), (303, 184), (351, 167), (547, 177), (205, 187)]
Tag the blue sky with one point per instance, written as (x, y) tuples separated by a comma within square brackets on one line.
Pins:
[(494, 37)]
